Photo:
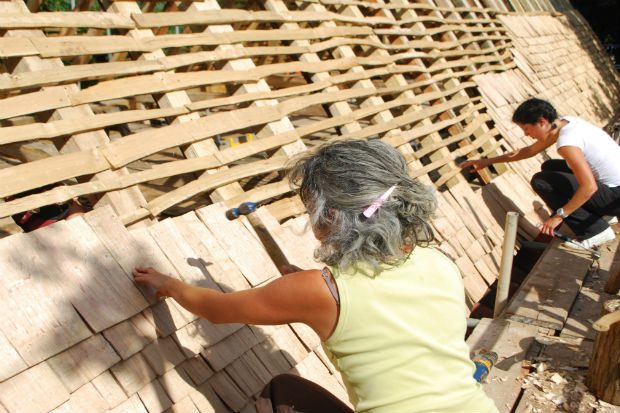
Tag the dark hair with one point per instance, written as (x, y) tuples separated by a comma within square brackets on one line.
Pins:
[(533, 109), (342, 179)]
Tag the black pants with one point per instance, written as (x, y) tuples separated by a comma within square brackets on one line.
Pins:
[(289, 393), (556, 184)]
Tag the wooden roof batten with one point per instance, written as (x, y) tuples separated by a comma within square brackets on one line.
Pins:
[(167, 119)]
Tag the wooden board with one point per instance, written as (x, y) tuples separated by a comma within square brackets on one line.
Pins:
[(242, 248), (39, 319), (558, 270), (92, 280), (511, 341), (83, 362), (45, 390)]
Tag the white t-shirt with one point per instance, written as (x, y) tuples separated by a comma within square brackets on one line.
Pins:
[(601, 152)]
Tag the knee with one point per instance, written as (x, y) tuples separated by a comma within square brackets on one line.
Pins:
[(538, 182), (547, 165)]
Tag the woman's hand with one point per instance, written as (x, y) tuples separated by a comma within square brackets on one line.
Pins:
[(548, 227), (475, 164), (159, 282)]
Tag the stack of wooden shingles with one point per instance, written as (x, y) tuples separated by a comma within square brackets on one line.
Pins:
[(566, 68), (78, 335)]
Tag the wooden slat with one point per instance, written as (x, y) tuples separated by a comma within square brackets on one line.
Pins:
[(100, 20), (511, 341), (83, 362), (212, 255), (86, 398), (87, 45), (45, 390), (62, 127), (12, 362), (92, 280), (256, 267), (537, 299), (39, 320)]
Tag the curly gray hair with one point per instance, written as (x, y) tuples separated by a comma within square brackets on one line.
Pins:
[(340, 180)]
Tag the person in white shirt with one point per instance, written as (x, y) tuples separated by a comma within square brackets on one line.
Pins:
[(582, 187)]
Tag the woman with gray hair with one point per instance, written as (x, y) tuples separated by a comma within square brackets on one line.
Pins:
[(388, 307)]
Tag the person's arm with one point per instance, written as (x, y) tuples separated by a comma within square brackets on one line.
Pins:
[(512, 156), (587, 186), (300, 297)]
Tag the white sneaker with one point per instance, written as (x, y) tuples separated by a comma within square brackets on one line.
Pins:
[(611, 220), (595, 241)]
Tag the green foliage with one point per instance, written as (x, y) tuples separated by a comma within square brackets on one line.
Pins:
[(55, 5)]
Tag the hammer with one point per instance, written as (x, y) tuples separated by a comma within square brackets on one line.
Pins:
[(595, 254)]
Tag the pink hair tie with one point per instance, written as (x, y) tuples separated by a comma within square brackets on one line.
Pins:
[(370, 211)]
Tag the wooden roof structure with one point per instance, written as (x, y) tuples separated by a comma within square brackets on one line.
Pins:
[(167, 119)]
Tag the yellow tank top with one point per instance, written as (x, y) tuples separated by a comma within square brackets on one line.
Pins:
[(399, 340)]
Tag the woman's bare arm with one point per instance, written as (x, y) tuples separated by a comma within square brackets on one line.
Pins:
[(300, 297)]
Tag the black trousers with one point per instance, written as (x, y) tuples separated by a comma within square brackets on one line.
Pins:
[(556, 184), (288, 393)]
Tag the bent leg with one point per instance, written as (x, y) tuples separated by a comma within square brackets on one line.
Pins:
[(288, 392), (556, 188), (557, 165)]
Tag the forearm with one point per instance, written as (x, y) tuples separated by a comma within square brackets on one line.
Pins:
[(204, 302), (512, 156)]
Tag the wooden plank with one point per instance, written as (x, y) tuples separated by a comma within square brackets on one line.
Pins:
[(56, 128), (186, 405), (228, 391), (86, 398), (242, 248), (229, 349), (197, 369), (209, 17), (17, 47), (130, 249), (133, 374), (12, 363), (207, 400), (79, 45), (249, 373), (538, 297), (27, 103), (290, 244), (180, 253), (168, 316), (92, 19), (511, 341), (92, 280), (130, 336), (131, 405), (38, 318), (45, 390), (109, 389), (587, 307), (177, 384), (23, 177), (214, 258), (83, 362), (196, 336), (154, 397), (163, 354)]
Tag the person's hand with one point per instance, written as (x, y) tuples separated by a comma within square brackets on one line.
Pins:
[(154, 279), (475, 164), (549, 226)]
